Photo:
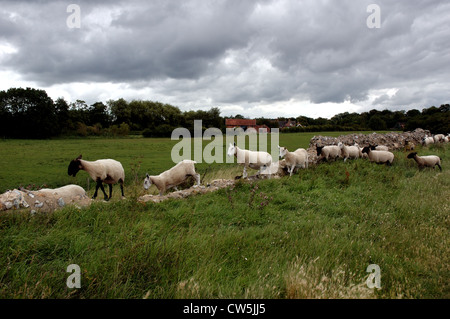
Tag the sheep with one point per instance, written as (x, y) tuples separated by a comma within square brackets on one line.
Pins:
[(380, 148), (106, 171), (349, 151), (439, 138), (254, 159), (429, 160), (173, 176), (409, 146), (379, 156), (329, 151), (298, 158), (427, 140)]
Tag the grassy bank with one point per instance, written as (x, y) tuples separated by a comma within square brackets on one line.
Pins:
[(308, 236)]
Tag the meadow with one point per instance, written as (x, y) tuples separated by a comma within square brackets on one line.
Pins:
[(311, 235)]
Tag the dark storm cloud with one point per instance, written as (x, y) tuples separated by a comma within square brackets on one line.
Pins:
[(238, 52)]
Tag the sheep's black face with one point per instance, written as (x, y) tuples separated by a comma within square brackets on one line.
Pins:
[(366, 150), (74, 167), (319, 150), (411, 155)]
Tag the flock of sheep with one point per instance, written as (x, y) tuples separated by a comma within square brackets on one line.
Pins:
[(110, 171)]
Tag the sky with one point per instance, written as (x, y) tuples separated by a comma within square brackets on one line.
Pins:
[(261, 58)]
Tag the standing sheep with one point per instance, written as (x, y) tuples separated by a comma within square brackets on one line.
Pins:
[(349, 151), (329, 151), (106, 171), (173, 177), (298, 158), (427, 140), (253, 159), (380, 157), (439, 138), (428, 161)]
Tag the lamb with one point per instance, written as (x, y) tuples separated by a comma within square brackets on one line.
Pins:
[(173, 176), (106, 171), (380, 157), (427, 140), (254, 159), (298, 158), (329, 151), (349, 151), (426, 161)]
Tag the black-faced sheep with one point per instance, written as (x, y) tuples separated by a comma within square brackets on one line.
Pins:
[(380, 157), (106, 171), (426, 161), (173, 177)]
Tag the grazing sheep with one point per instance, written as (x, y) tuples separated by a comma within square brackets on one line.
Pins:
[(428, 161), (106, 171), (298, 158), (173, 177), (380, 157), (427, 140), (349, 151), (253, 159), (329, 151), (439, 138)]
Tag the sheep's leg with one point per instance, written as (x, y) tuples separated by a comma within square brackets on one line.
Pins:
[(121, 189), (244, 174), (440, 168), (197, 178), (110, 190)]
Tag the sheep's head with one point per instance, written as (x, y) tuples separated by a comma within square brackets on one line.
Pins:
[(412, 155), (147, 182), (366, 149), (282, 150), (231, 149), (340, 145), (319, 150), (74, 166)]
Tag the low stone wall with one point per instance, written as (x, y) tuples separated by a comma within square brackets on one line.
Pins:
[(45, 200)]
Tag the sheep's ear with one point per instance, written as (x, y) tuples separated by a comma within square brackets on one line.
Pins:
[(79, 157), (234, 144), (147, 175)]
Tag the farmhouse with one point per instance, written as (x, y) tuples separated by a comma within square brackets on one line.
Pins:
[(245, 124)]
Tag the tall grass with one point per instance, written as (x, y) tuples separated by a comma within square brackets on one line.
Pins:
[(311, 235)]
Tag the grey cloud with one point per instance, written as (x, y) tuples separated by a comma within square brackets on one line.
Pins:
[(321, 51)]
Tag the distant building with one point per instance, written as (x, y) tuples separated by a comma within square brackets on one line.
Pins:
[(245, 124)]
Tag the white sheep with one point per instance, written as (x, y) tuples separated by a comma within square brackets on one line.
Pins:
[(381, 148), (426, 161), (106, 171), (439, 138), (427, 140), (298, 158), (329, 151), (349, 151), (173, 176), (379, 156), (254, 159)]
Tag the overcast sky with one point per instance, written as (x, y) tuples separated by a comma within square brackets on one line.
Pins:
[(257, 58)]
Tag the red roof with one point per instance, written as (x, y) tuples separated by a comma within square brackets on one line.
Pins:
[(239, 122)]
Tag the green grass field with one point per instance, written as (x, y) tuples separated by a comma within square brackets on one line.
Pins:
[(307, 236)]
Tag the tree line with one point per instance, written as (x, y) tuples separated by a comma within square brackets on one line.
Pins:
[(31, 113)]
